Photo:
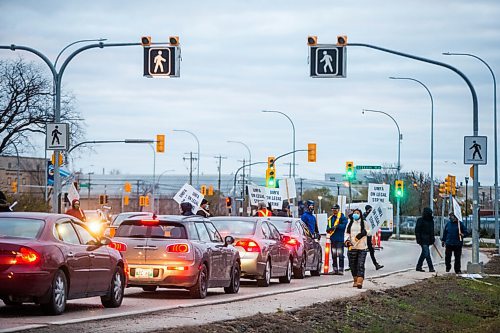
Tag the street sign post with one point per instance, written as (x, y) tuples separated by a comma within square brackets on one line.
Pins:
[(57, 136), (161, 61), (327, 60), (475, 149), (368, 167)]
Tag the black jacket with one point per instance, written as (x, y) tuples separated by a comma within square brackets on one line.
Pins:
[(424, 230)]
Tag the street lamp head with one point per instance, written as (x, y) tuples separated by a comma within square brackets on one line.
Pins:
[(139, 141)]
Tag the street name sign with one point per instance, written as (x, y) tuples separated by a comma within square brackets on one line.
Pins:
[(327, 60), (475, 149), (161, 61), (57, 136), (368, 167)]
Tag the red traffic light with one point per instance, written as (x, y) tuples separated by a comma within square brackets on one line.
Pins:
[(229, 201)]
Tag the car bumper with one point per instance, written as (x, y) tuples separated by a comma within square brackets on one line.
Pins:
[(24, 285), (251, 265), (163, 276)]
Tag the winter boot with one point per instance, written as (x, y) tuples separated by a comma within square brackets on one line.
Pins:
[(360, 282), (355, 284)]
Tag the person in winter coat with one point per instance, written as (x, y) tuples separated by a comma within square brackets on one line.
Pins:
[(76, 211), (453, 239), (309, 219), (4, 205), (424, 232), (368, 210), (186, 209), (335, 228), (355, 240), (285, 210), (203, 211)]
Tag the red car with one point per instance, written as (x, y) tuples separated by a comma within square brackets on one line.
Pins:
[(50, 258)]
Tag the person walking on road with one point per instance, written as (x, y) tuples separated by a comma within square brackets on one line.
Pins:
[(262, 210), (357, 248), (186, 209), (335, 228), (453, 239), (76, 211), (203, 211), (310, 220), (424, 232), (368, 210)]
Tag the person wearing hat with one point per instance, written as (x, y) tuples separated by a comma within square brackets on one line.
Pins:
[(262, 210), (335, 228), (186, 209), (203, 211), (453, 239), (4, 205), (76, 211), (368, 210), (310, 220)]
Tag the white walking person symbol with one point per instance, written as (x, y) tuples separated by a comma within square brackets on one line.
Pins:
[(327, 59), (158, 62)]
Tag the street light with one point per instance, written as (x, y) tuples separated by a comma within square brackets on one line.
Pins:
[(157, 183), (399, 163), (293, 128), (497, 225), (249, 157), (198, 162), (431, 194)]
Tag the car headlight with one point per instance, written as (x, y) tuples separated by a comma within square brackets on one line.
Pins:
[(95, 227)]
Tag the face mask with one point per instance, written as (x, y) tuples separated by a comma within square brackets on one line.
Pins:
[(207, 207), (355, 216)]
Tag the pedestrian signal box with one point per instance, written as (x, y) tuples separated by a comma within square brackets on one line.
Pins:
[(162, 61), (327, 61)]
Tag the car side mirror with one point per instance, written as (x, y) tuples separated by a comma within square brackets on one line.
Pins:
[(105, 241), (228, 240)]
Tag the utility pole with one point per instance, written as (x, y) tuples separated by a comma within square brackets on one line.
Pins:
[(301, 181), (289, 168), (191, 159), (139, 209), (219, 168)]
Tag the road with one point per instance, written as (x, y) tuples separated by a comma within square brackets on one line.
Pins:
[(396, 256)]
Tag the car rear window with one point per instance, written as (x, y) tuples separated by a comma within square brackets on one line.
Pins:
[(166, 230), (282, 226), (120, 218), (19, 227), (235, 227)]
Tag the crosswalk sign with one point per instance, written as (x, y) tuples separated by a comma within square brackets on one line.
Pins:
[(327, 60), (161, 61)]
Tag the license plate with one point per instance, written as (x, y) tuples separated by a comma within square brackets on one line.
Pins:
[(144, 272)]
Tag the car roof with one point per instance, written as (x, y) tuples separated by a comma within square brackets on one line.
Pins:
[(237, 218), (171, 218), (33, 215)]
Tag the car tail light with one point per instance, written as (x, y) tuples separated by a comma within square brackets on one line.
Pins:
[(121, 247), (290, 241), (177, 268), (150, 222), (249, 245), (178, 248), (27, 256)]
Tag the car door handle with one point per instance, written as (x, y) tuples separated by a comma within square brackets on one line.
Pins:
[(140, 247), (91, 255), (152, 247)]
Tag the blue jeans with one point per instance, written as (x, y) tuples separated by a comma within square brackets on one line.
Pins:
[(337, 256), (425, 254)]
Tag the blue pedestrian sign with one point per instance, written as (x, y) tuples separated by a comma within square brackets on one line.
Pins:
[(161, 61), (327, 60)]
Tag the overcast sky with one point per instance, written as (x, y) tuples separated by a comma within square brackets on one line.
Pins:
[(241, 57)]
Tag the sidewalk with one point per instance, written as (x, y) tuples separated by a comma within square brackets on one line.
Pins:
[(467, 240)]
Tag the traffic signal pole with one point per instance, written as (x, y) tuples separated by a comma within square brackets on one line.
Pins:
[(474, 266)]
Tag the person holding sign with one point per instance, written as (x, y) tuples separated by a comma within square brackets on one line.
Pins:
[(424, 232), (368, 210), (335, 229), (310, 220), (203, 211), (453, 239), (186, 209), (262, 210), (357, 247)]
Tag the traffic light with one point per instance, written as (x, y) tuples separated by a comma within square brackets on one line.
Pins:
[(311, 152), (203, 190), (452, 180), (13, 186), (146, 200), (312, 40), (270, 178), (210, 190), (146, 40), (349, 170), (102, 199), (126, 200), (142, 201), (399, 188), (53, 159), (447, 184), (127, 187), (160, 143), (173, 40), (229, 201), (341, 40), (270, 161), (442, 190)]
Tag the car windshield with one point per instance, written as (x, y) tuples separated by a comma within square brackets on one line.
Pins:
[(235, 227), (122, 217), (20, 227), (138, 229), (283, 226)]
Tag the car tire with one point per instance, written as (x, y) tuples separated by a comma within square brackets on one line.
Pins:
[(114, 297), (58, 295), (234, 287), (199, 290), (288, 274), (266, 276), (149, 288), (317, 271), (300, 272)]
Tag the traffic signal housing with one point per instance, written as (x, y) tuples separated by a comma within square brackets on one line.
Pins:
[(451, 182), (442, 190), (203, 190), (146, 40), (448, 184), (349, 170), (102, 199), (270, 178), (312, 40), (311, 152), (160, 143), (127, 187), (270, 161), (399, 192), (173, 40), (341, 40), (13, 186), (126, 200), (229, 202), (211, 190)]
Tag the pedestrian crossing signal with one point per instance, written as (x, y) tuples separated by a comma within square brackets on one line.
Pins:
[(399, 184)]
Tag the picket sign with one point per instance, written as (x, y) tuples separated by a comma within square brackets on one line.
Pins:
[(187, 193)]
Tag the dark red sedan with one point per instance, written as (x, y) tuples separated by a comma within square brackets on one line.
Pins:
[(50, 258)]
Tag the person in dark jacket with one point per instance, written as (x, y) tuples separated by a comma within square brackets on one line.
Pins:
[(335, 228), (203, 211), (285, 210), (453, 239), (368, 210), (4, 205), (186, 209), (424, 232), (309, 219)]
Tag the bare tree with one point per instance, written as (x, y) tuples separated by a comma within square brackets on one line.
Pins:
[(26, 105)]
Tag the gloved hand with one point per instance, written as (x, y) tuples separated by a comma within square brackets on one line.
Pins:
[(348, 243)]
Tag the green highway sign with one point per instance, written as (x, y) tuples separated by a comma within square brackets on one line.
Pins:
[(84, 185), (368, 167)]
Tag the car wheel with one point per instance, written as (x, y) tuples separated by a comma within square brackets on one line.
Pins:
[(149, 288), (266, 279), (114, 297), (300, 272), (317, 271), (288, 275), (199, 290), (234, 287), (58, 295)]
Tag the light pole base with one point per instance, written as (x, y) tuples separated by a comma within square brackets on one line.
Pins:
[(475, 268)]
